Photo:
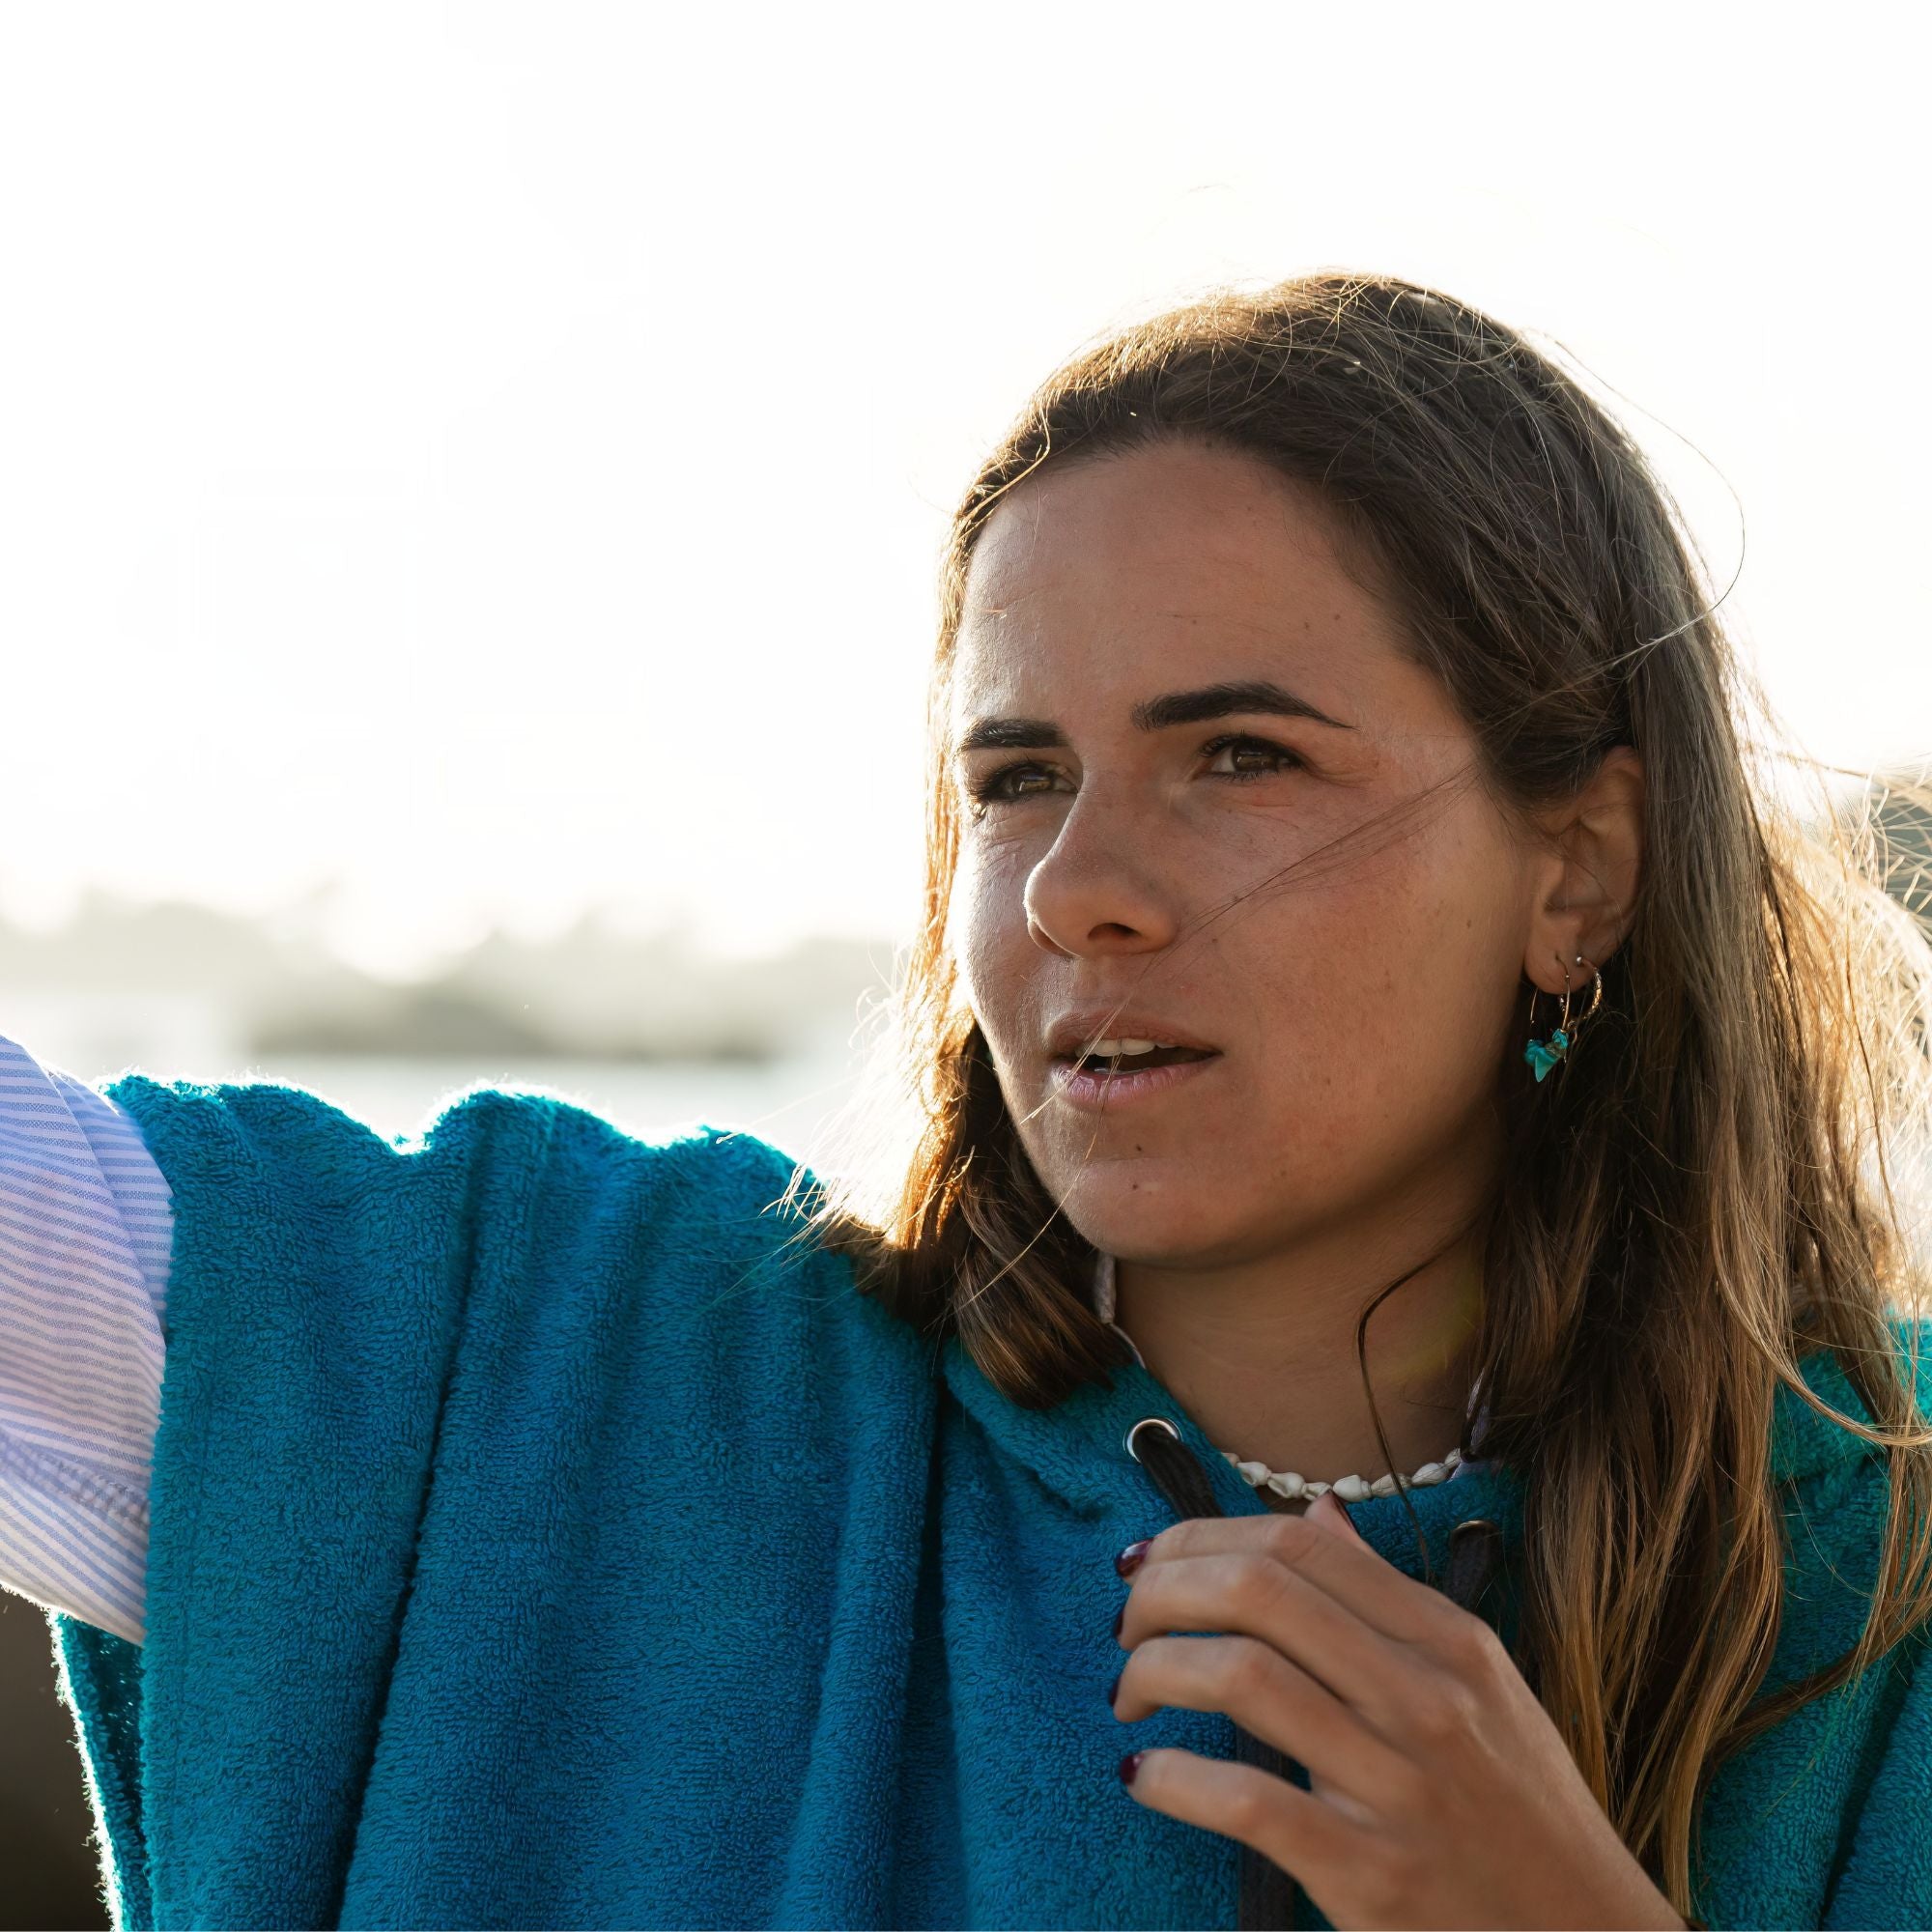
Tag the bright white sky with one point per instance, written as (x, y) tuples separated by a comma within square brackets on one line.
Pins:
[(499, 454)]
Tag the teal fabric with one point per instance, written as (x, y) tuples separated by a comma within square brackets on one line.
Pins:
[(537, 1542)]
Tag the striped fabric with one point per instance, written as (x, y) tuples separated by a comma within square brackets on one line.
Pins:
[(86, 1227)]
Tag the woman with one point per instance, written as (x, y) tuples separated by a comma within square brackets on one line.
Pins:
[(1372, 1042)]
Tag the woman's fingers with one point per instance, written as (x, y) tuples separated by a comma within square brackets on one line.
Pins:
[(1252, 1683), (1304, 1834), (1249, 1593), (1345, 1567)]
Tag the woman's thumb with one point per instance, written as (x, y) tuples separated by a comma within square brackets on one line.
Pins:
[(1333, 1513)]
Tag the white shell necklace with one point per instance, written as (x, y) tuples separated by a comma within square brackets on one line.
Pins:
[(1283, 1482)]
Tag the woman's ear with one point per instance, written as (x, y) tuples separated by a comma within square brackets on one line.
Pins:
[(1584, 882)]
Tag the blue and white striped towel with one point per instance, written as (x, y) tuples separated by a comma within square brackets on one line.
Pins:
[(86, 1231)]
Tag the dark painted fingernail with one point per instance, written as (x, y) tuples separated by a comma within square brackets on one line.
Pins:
[(1114, 1688), (1129, 1764), (1132, 1557), (1120, 1617)]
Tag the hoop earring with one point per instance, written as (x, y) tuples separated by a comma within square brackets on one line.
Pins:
[(1543, 1054)]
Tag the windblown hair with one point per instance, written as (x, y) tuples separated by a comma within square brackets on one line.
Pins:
[(1705, 1193)]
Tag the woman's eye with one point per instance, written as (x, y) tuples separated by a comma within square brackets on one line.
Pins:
[(1276, 756), (992, 788), (1001, 786)]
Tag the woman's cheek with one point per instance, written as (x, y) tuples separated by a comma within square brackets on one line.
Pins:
[(984, 953), (1339, 1044)]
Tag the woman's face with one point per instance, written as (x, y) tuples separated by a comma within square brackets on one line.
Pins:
[(1336, 907)]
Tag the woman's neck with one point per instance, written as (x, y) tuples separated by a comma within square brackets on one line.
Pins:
[(1263, 1355)]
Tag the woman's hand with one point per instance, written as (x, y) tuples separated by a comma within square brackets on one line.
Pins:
[(1440, 1794)]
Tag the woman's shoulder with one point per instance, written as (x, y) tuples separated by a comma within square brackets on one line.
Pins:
[(701, 1223), (542, 1134), (1809, 1447), (1837, 1494)]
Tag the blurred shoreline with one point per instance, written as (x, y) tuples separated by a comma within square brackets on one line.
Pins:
[(648, 1029), (191, 980)]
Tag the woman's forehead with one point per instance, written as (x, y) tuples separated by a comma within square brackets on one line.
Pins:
[(1220, 527), (1171, 567)]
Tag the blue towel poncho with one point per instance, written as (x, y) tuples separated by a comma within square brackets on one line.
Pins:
[(535, 1543)]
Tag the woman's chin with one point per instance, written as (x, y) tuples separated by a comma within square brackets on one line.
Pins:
[(1142, 1214)]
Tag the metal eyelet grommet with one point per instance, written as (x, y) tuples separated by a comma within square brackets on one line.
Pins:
[(1474, 1522), (1146, 1422)]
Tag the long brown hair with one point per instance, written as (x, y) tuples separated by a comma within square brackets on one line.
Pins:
[(1704, 1194)]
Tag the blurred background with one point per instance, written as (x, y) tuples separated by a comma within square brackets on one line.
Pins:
[(474, 475)]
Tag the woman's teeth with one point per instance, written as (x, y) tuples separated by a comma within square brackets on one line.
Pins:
[(1146, 1052)]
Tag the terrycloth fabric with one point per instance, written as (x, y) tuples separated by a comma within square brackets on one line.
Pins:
[(535, 1544)]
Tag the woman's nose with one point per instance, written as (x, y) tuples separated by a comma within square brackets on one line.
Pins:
[(1094, 891)]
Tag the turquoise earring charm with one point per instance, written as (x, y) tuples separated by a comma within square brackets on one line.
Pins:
[(1543, 1054)]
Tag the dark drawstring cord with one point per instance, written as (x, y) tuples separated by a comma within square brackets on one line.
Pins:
[(1475, 1547)]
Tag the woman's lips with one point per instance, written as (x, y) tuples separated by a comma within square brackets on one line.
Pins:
[(1097, 1091)]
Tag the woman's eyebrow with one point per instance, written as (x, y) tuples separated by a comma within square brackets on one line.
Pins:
[(1155, 714)]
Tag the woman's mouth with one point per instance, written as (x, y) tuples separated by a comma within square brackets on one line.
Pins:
[(1122, 1078)]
